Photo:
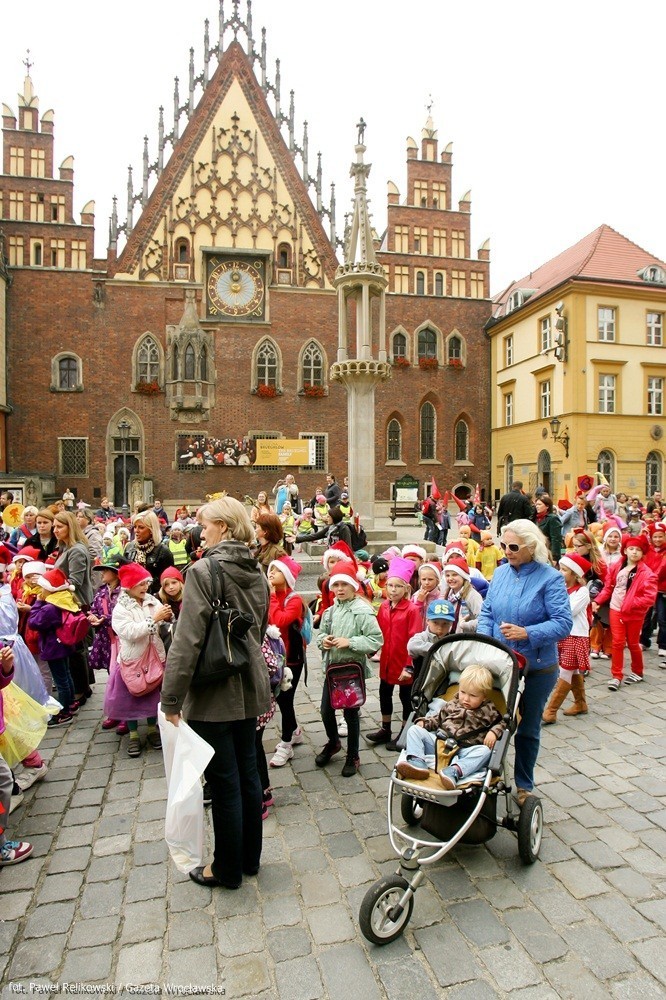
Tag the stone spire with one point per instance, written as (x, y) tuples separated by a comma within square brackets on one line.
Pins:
[(359, 246)]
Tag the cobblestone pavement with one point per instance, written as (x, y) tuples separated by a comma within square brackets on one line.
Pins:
[(100, 902)]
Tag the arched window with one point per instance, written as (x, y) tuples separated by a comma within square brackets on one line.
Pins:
[(312, 366), (68, 373), (394, 441), (183, 251), (454, 349), (420, 283), (284, 255), (544, 473), (203, 364), (427, 432), (174, 365), (439, 283), (508, 473), (148, 361), (188, 366), (427, 343), (267, 365), (462, 441), (653, 466), (606, 465), (399, 345)]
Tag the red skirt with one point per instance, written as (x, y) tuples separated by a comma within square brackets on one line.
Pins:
[(574, 653)]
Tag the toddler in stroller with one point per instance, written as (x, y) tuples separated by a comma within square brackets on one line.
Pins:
[(470, 720)]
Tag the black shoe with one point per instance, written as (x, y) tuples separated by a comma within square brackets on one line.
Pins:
[(207, 797), (198, 876), (351, 766), (382, 735), (393, 745), (330, 750)]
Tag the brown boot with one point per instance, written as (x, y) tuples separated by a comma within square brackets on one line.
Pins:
[(579, 706), (560, 691)]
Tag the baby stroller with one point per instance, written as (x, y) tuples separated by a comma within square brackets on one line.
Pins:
[(468, 813)]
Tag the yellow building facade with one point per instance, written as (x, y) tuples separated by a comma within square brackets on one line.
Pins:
[(578, 370)]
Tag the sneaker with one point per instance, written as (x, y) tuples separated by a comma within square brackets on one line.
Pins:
[(283, 753), (207, 797), (613, 684), (14, 851), (15, 801), (382, 735), (29, 775), (122, 729), (342, 726), (297, 737), (134, 747), (521, 795), (633, 678), (268, 797), (110, 723), (662, 652), (154, 740), (447, 782), (63, 718), (594, 654), (264, 811), (74, 707), (330, 750), (407, 769), (350, 767), (604, 656)]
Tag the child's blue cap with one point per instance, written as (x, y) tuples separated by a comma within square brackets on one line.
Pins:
[(441, 610)]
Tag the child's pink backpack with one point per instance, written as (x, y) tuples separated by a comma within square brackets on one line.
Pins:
[(75, 627)]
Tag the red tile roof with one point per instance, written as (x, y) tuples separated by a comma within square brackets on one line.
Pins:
[(603, 254)]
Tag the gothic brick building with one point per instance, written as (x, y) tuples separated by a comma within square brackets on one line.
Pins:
[(212, 321)]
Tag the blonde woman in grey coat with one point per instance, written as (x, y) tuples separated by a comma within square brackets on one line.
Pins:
[(224, 714)]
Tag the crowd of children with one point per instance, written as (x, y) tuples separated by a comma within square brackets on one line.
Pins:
[(388, 609)]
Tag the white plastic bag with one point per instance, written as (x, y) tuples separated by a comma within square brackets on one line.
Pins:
[(186, 756)]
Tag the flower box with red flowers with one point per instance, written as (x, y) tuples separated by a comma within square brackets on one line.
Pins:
[(148, 388), (455, 363), (314, 391), (429, 364), (401, 362), (267, 391)]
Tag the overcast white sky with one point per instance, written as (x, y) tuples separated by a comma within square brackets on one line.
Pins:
[(555, 109)]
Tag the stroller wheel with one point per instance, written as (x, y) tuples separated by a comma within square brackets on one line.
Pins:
[(411, 810), (380, 917), (530, 829)]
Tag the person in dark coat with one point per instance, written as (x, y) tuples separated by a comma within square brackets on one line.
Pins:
[(335, 531), (514, 505), (224, 714)]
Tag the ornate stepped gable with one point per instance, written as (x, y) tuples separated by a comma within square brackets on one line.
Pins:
[(231, 182)]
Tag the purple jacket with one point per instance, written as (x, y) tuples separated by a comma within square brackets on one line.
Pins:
[(45, 618)]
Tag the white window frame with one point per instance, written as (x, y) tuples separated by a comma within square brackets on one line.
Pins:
[(655, 396), (508, 351), (545, 399), (607, 388), (606, 324), (508, 409), (655, 329), (546, 332)]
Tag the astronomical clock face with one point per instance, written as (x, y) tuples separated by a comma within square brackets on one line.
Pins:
[(236, 288)]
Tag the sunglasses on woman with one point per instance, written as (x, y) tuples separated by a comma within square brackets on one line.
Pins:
[(511, 546)]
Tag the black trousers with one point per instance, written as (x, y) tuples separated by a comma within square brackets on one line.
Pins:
[(236, 798)]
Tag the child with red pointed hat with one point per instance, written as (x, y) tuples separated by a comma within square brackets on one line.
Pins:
[(287, 611), (573, 652), (348, 632), (46, 617), (399, 619)]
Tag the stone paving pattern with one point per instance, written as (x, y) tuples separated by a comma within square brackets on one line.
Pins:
[(101, 902)]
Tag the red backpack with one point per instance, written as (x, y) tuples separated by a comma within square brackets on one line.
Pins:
[(75, 627)]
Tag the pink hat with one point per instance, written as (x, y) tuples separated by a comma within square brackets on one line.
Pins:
[(320, 498), (458, 566), (577, 564), (401, 569), (344, 572), (414, 550), (132, 574), (289, 569), (391, 552), (54, 581)]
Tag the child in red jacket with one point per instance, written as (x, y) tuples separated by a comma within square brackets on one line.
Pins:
[(631, 588), (399, 620), (287, 611), (656, 616)]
